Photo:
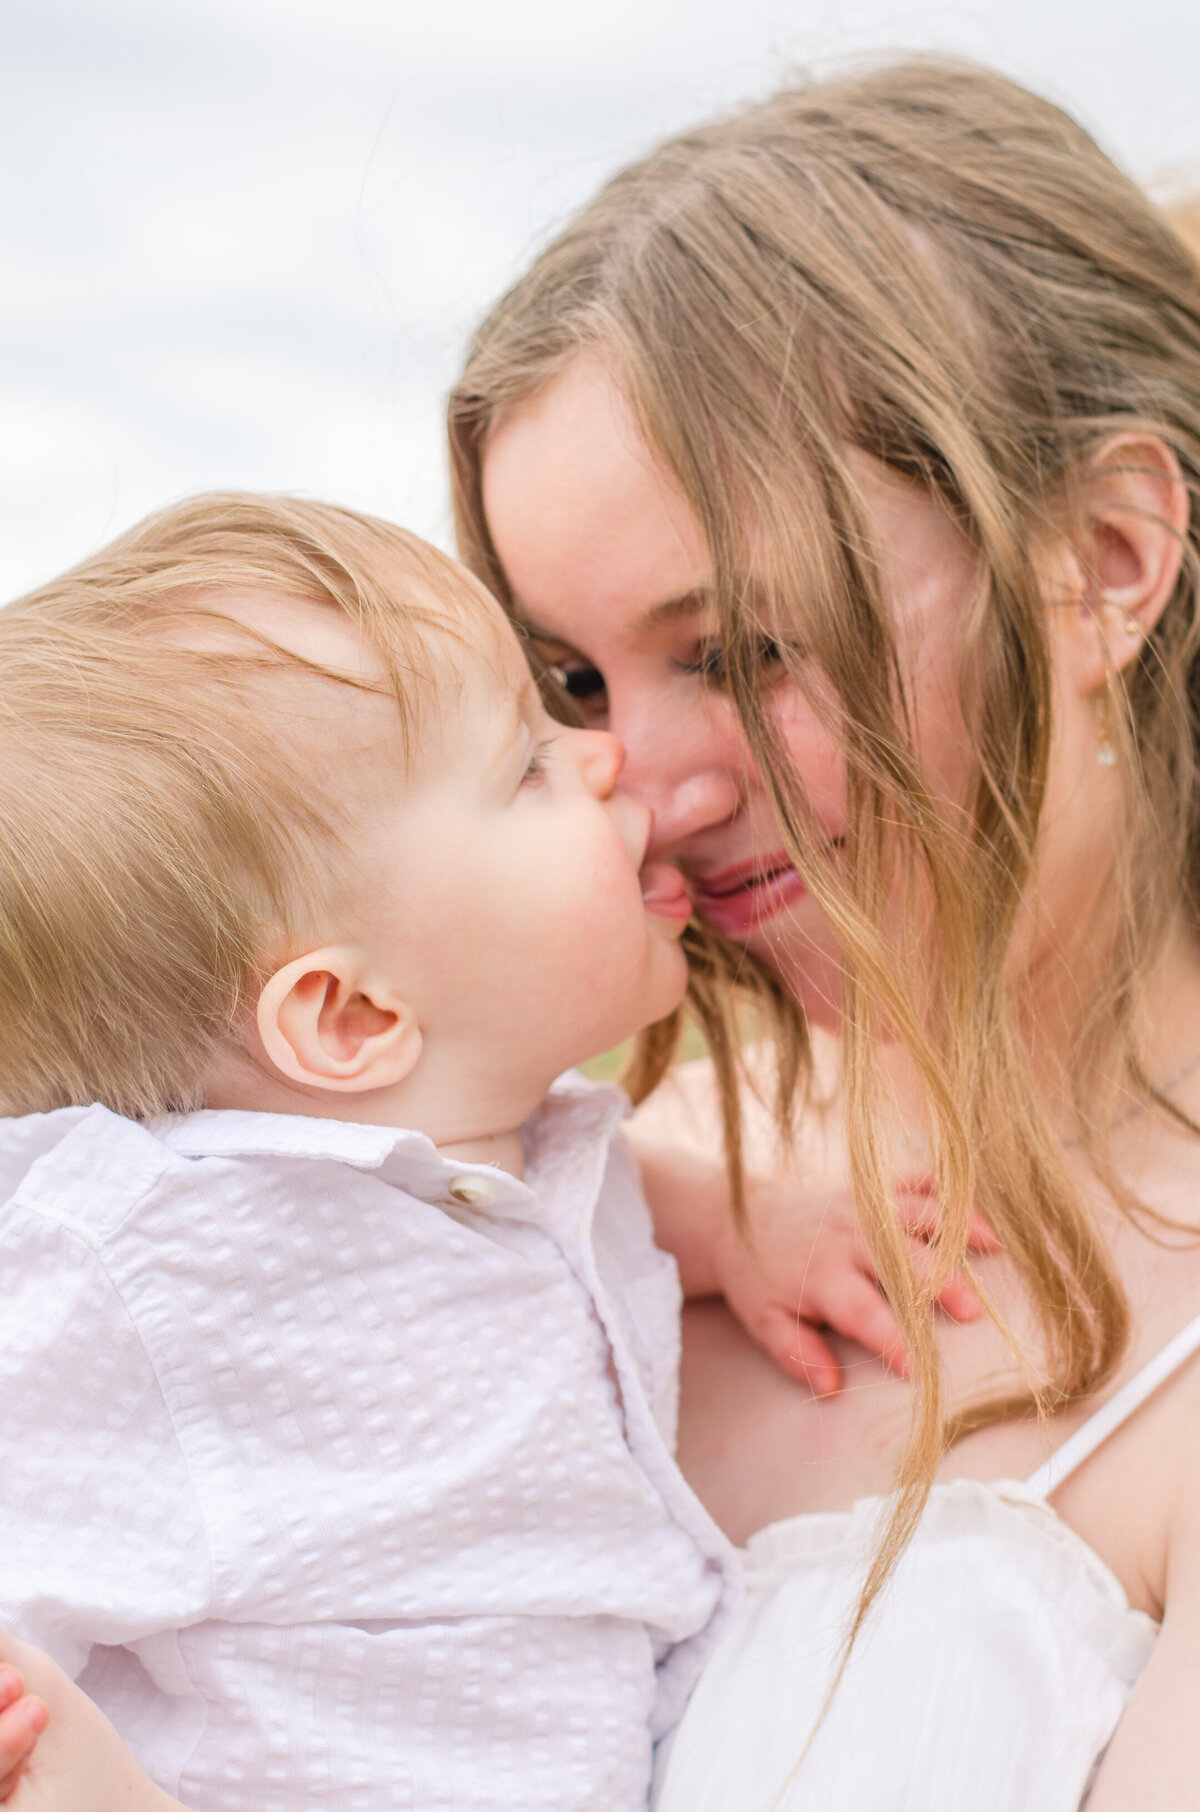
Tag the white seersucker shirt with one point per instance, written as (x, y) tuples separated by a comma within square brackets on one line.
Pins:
[(337, 1492)]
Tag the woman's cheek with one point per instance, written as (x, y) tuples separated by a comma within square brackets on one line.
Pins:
[(817, 761), (943, 747)]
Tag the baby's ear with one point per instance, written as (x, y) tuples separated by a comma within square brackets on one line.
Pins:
[(327, 1022)]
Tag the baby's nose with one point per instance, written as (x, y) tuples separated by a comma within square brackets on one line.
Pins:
[(603, 759)]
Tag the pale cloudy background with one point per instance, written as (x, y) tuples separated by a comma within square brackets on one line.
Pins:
[(242, 242)]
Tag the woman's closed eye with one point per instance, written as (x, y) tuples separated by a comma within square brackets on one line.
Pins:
[(709, 662), (585, 685)]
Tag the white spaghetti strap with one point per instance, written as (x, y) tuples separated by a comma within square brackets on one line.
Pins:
[(1110, 1416)]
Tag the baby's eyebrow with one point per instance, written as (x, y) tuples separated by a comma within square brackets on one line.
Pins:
[(511, 727)]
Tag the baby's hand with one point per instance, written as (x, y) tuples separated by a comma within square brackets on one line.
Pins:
[(805, 1267), (22, 1721), (58, 1752)]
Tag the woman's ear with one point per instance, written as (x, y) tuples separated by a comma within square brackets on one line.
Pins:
[(326, 1023), (1119, 567)]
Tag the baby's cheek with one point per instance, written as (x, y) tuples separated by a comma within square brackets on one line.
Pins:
[(606, 914), (617, 883)]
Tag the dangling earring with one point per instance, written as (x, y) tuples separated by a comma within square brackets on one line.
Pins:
[(1106, 752)]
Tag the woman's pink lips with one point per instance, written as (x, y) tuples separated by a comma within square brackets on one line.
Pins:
[(738, 899), (664, 891)]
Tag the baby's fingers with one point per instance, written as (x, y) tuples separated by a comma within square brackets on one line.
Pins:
[(959, 1300), (956, 1297), (855, 1308), (916, 1205), (980, 1237), (21, 1723), (800, 1351), (917, 1210)]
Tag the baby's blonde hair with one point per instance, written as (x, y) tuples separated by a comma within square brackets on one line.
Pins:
[(157, 841)]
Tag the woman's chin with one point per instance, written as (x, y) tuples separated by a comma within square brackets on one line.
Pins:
[(800, 948)]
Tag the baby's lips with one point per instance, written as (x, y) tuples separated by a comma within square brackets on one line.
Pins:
[(664, 891)]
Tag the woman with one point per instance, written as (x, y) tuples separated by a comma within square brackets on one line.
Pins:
[(844, 458)]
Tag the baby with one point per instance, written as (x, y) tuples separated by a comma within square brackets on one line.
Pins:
[(340, 1358)]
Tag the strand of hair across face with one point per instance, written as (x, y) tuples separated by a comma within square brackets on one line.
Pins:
[(917, 1148)]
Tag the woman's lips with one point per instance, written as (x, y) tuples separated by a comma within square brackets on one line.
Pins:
[(738, 899), (664, 892)]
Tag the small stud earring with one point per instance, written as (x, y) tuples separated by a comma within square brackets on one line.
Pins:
[(1133, 628)]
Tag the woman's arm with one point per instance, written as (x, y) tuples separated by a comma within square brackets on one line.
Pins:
[(1153, 1761)]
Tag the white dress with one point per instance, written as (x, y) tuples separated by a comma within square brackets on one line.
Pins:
[(989, 1677)]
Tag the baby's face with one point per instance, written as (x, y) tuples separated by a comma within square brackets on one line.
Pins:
[(496, 882)]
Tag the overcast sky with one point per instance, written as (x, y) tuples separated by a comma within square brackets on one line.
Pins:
[(242, 242)]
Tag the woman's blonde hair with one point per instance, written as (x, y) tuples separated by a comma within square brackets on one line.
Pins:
[(923, 262), (157, 838)]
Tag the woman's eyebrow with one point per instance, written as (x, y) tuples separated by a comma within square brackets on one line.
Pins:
[(687, 604), (532, 632), (669, 610)]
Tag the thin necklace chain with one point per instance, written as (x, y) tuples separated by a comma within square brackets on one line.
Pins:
[(1161, 1088), (919, 1149)]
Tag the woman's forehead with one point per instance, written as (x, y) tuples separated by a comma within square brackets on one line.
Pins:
[(599, 545), (580, 512), (579, 440)]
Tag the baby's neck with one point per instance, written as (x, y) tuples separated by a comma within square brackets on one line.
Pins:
[(505, 1150), (479, 1132)]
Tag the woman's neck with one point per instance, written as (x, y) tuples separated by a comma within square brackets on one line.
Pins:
[(1164, 1030)]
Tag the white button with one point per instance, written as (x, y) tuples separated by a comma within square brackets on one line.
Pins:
[(474, 1192)]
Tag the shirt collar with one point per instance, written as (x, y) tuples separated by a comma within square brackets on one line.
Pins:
[(576, 1111)]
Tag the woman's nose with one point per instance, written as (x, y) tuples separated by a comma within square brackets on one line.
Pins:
[(685, 765)]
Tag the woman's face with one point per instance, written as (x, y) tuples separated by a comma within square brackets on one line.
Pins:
[(610, 575)]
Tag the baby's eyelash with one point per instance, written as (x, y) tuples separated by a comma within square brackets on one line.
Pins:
[(539, 759)]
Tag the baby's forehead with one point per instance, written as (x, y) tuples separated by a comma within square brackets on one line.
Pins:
[(496, 651), (239, 620), (428, 639), (421, 674)]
